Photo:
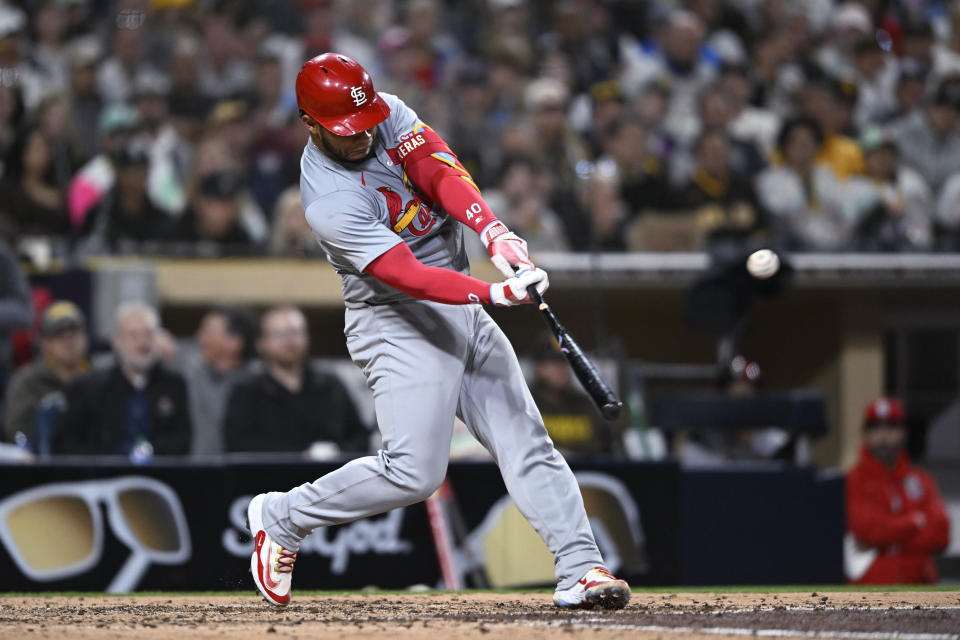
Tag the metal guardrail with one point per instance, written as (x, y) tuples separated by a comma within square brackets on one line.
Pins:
[(668, 270)]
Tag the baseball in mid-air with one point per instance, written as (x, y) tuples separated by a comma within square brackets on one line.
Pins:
[(763, 264)]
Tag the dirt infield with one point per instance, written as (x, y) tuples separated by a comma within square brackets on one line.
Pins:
[(842, 615)]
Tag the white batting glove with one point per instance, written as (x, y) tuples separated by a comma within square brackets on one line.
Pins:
[(513, 290), (508, 251)]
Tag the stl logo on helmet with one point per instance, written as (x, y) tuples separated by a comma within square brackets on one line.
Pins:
[(359, 95), (415, 216)]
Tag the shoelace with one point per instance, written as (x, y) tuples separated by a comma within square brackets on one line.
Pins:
[(285, 560)]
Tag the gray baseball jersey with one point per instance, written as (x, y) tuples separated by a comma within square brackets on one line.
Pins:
[(360, 210), (424, 362)]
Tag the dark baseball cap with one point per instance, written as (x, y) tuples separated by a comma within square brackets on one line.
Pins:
[(913, 69), (61, 315), (948, 94), (221, 184)]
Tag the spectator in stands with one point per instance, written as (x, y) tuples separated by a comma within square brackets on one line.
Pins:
[(509, 33), (679, 57), (929, 139), (716, 114), (947, 214), (212, 226), (570, 417), (229, 121), (911, 90), (596, 112), (273, 150), (520, 200), (16, 310), (116, 74), (589, 47), (221, 72), (35, 200), (12, 119), (804, 197), (149, 98), (474, 127), (849, 25), (830, 103), (607, 213), (559, 153), (895, 515), (291, 235), (722, 201), (876, 78), (225, 339), (36, 392), (50, 53), (916, 40), (215, 154), (946, 54), (288, 405), (892, 203), (777, 65), (14, 56), (748, 123), (126, 219), (640, 172), (85, 102), (117, 127), (135, 401), (185, 98)]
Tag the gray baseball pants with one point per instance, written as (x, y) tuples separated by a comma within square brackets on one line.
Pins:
[(426, 362)]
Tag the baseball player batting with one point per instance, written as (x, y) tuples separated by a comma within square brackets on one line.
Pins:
[(387, 201)]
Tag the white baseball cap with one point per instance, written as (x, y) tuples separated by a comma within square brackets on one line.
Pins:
[(12, 20), (851, 15)]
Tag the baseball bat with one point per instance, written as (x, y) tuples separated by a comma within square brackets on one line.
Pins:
[(600, 392)]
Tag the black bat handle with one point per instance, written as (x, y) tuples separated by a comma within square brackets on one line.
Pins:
[(603, 396), (534, 294)]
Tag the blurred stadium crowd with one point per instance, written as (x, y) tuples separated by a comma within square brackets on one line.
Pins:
[(171, 127), (243, 384)]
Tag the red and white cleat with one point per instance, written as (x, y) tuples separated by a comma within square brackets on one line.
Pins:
[(597, 587), (270, 564)]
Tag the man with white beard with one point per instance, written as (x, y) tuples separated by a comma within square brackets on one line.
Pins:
[(134, 402)]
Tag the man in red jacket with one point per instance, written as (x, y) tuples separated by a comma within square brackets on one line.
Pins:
[(895, 515)]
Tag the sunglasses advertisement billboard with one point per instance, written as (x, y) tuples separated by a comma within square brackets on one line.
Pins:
[(181, 527)]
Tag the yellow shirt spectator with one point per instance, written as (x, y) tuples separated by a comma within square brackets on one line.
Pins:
[(842, 154)]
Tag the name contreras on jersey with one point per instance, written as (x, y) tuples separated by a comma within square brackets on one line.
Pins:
[(407, 146)]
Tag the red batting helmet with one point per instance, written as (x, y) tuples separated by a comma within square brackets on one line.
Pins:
[(338, 93)]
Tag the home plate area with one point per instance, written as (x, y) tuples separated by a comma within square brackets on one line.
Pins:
[(932, 615)]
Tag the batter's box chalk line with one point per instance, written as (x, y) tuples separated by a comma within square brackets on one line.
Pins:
[(594, 622)]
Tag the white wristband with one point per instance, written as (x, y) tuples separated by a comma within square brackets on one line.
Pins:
[(483, 233)]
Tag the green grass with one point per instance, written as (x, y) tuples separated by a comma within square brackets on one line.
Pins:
[(637, 590)]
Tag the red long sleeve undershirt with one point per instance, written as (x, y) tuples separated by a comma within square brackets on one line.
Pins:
[(449, 185), (429, 164), (400, 269)]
